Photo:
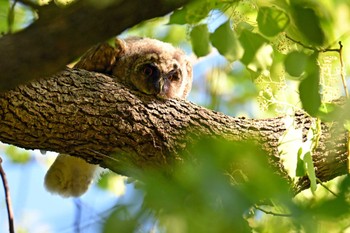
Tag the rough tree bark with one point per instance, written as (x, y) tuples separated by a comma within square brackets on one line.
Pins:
[(63, 34), (88, 115)]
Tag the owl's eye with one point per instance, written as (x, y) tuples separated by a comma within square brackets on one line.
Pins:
[(150, 70), (173, 75)]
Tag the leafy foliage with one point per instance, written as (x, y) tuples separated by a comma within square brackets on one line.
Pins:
[(309, 87), (295, 63), (308, 23), (226, 42), (209, 195), (272, 40), (200, 40), (272, 21), (213, 194), (283, 47)]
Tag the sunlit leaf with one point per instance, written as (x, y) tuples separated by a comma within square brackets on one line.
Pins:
[(226, 42), (4, 9), (251, 43), (295, 63), (241, 26), (300, 169), (309, 165), (17, 155), (200, 40), (272, 21), (262, 59), (112, 182)]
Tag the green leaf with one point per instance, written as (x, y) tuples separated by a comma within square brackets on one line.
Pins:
[(310, 171), (241, 26), (300, 169), (272, 21), (251, 42), (309, 88), (257, 52), (17, 155), (295, 63), (120, 221), (112, 182), (226, 42), (192, 13), (200, 40), (198, 11), (178, 16), (308, 23), (4, 9)]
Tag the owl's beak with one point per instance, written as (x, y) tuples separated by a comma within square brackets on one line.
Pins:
[(160, 85), (163, 83)]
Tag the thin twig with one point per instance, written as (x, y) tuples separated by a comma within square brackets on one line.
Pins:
[(328, 189), (78, 212), (8, 199), (320, 50), (301, 44), (272, 213), (339, 51)]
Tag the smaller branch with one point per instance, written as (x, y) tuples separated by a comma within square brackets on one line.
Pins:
[(272, 213), (301, 44), (313, 48), (8, 199), (328, 189), (78, 212), (339, 51)]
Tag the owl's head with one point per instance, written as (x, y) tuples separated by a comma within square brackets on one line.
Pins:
[(153, 67)]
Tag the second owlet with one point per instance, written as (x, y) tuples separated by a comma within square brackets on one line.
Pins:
[(148, 65)]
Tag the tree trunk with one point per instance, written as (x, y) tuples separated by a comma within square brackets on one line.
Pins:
[(89, 115)]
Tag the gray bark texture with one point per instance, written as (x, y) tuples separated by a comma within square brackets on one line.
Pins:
[(89, 115)]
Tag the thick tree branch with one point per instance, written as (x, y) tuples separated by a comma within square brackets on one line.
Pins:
[(62, 34), (89, 115)]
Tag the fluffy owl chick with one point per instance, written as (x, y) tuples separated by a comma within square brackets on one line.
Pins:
[(148, 65)]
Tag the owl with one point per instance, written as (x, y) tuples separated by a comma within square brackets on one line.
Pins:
[(147, 65)]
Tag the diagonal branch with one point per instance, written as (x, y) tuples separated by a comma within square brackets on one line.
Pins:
[(89, 115), (60, 35), (10, 214)]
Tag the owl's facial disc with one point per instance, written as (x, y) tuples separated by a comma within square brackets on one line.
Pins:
[(152, 79)]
